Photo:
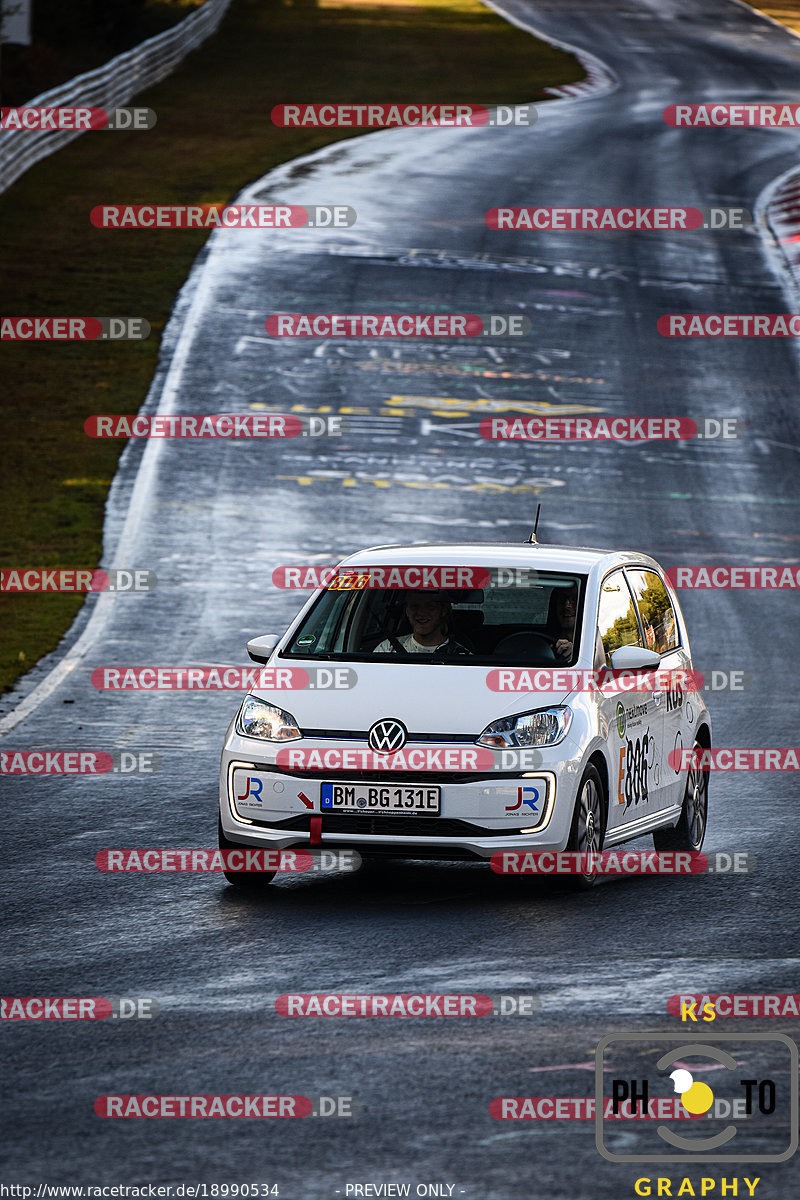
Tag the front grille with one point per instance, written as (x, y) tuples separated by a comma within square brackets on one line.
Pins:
[(390, 826), (360, 735)]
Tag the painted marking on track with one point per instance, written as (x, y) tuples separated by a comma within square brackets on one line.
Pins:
[(451, 406), (350, 481), (388, 366), (440, 406)]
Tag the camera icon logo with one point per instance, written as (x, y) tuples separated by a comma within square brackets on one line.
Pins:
[(752, 1108)]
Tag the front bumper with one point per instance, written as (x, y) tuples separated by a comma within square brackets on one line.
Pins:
[(480, 815)]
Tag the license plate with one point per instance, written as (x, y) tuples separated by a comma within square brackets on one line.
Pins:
[(375, 798)]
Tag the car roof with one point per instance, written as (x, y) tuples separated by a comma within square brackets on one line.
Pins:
[(537, 555)]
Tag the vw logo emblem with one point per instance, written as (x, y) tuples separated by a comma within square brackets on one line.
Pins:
[(387, 735)]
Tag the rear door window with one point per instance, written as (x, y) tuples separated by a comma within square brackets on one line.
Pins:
[(655, 608)]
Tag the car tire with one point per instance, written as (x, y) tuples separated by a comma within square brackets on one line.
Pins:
[(588, 823), (248, 881), (690, 831)]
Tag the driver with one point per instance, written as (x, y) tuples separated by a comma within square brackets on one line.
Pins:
[(430, 616), (566, 608)]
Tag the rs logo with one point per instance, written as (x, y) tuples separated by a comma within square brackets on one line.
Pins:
[(253, 789)]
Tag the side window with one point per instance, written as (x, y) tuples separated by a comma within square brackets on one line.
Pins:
[(616, 616), (655, 608), (321, 632)]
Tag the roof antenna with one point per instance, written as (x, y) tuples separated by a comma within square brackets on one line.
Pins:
[(532, 538)]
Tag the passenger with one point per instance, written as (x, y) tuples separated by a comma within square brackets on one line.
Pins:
[(566, 607), (430, 616)]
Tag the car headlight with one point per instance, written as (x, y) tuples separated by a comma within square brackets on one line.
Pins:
[(261, 720), (545, 727)]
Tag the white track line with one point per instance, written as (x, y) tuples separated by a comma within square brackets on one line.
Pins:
[(124, 550), (600, 78)]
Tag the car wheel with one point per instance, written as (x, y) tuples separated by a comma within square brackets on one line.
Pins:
[(249, 881), (588, 823), (690, 831)]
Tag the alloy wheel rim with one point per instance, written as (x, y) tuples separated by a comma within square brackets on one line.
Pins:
[(696, 805), (589, 826)]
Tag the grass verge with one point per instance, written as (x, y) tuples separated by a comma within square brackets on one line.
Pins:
[(785, 11), (213, 136)]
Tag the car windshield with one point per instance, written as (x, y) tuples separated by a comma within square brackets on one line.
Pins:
[(533, 622)]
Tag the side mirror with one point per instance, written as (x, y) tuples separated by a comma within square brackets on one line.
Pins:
[(634, 658), (260, 648)]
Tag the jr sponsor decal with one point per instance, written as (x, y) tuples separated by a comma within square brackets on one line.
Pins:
[(252, 790), (526, 796)]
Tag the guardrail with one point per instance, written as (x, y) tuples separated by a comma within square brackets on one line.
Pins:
[(108, 87)]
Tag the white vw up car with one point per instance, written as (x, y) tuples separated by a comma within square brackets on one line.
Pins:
[(432, 702)]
